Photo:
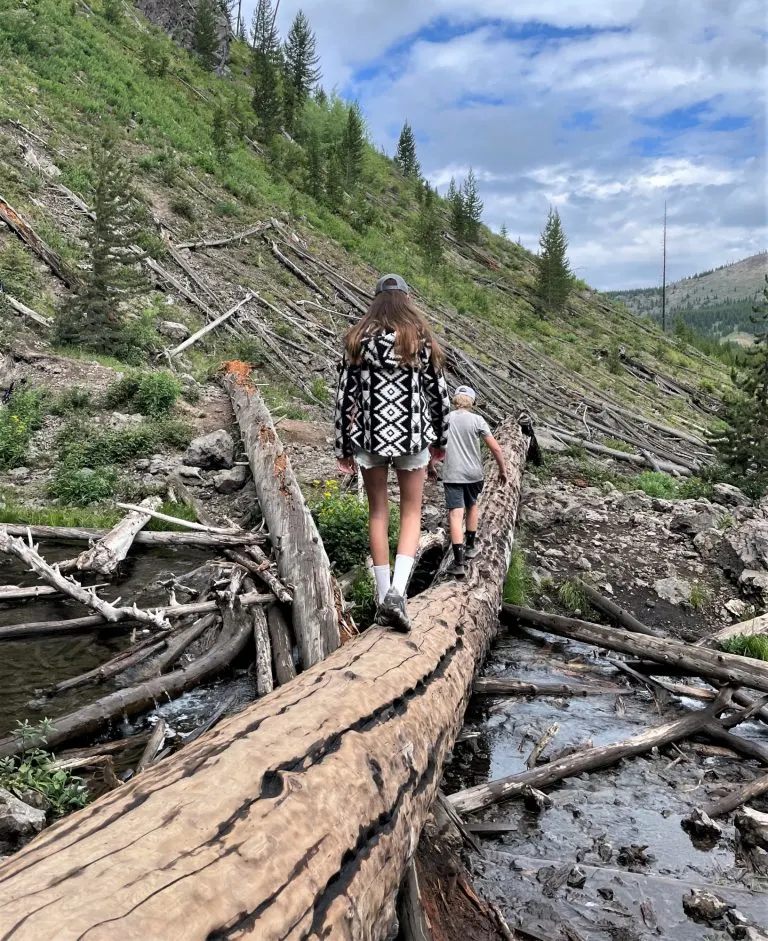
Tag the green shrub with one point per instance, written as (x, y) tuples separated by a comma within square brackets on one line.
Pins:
[(34, 770), (81, 445), (699, 597), (571, 596), (74, 399), (157, 393), (519, 584), (363, 598), (183, 207), (82, 486), (319, 389), (755, 646), (618, 445), (19, 419), (694, 488), (657, 484), (342, 521), (123, 390), (181, 510)]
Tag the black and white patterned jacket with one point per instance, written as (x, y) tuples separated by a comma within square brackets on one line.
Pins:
[(388, 408)]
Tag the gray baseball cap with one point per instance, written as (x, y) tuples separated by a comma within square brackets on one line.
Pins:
[(468, 391), (392, 282)]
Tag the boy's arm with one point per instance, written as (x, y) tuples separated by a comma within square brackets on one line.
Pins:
[(495, 449)]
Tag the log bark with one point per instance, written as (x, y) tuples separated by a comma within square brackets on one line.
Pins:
[(27, 234), (491, 686), (110, 551), (302, 561), (725, 667), (113, 667), (758, 625), (589, 759), (296, 817), (739, 796), (33, 592), (257, 563), (154, 745), (192, 540), (264, 682), (209, 327), (615, 612), (225, 240), (411, 916), (185, 639), (25, 311), (637, 459), (185, 524), (282, 645), (236, 633)]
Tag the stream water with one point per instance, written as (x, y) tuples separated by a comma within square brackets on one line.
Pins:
[(30, 665), (595, 817)]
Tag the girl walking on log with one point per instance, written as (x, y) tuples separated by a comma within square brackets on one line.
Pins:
[(392, 407)]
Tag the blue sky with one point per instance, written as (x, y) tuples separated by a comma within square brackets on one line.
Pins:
[(604, 108)]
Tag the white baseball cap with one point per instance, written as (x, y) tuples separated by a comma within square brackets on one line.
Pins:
[(466, 390)]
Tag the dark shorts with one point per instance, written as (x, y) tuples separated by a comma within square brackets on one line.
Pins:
[(462, 496)]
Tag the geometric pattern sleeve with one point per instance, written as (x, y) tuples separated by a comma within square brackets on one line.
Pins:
[(348, 408), (439, 402)]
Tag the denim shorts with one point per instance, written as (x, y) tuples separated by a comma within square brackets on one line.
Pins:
[(462, 496), (403, 462)]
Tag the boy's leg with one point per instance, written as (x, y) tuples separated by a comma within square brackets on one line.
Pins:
[(473, 515)]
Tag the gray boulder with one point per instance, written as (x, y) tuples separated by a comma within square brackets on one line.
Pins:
[(674, 590), (755, 583), (18, 821), (750, 543), (230, 481), (118, 421), (174, 331), (729, 495), (211, 452), (695, 516)]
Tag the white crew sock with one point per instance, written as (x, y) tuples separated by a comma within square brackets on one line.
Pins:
[(381, 574), (403, 568)]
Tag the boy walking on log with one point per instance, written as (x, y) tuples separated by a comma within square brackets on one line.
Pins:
[(463, 475)]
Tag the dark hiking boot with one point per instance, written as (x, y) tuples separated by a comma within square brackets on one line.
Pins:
[(471, 552), (392, 612), (457, 569)]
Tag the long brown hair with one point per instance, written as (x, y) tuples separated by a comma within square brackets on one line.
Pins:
[(395, 312)]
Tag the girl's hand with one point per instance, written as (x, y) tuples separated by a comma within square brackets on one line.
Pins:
[(346, 465), (438, 454)]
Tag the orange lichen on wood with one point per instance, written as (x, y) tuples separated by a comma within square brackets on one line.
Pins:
[(240, 372)]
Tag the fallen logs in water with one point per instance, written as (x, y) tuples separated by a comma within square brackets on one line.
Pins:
[(739, 796), (188, 540), (492, 686), (589, 759), (296, 817), (106, 555), (235, 635), (302, 560), (696, 661)]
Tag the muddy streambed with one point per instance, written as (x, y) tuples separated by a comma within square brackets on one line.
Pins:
[(599, 821), (30, 665)]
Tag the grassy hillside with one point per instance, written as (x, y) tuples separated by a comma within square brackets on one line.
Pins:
[(714, 303), (66, 72)]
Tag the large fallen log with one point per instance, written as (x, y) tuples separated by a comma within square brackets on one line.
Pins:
[(616, 612), (302, 562), (737, 797), (697, 661), (105, 556), (586, 760), (295, 818), (758, 625), (27, 234), (191, 540), (498, 686)]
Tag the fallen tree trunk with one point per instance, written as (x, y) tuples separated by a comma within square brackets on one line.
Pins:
[(282, 645), (758, 625), (184, 524), (302, 562), (698, 661), (741, 795), (491, 686), (33, 592), (110, 551), (25, 311), (346, 760), (259, 566), (27, 234), (235, 635), (209, 327), (589, 759), (615, 612), (192, 540)]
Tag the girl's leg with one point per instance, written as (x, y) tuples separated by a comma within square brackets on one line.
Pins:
[(375, 481), (411, 495)]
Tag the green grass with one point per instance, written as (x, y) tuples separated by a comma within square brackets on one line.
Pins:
[(87, 517), (571, 596), (519, 585), (700, 597), (755, 646)]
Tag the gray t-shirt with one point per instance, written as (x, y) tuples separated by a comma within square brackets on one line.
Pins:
[(463, 458)]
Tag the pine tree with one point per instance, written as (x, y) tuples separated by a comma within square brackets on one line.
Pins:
[(93, 317), (743, 448), (267, 97), (455, 198), (554, 279), (473, 207), (503, 231), (206, 34), (301, 68), (113, 11), (430, 229), (334, 182), (406, 158), (352, 148), (220, 134), (315, 172)]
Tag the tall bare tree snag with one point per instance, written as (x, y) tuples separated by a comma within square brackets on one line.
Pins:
[(110, 551), (301, 560), (297, 817)]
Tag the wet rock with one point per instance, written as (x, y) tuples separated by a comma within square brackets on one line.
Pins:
[(534, 800), (553, 878), (701, 826), (752, 839), (674, 590), (605, 893), (729, 495), (174, 331), (704, 907), (230, 481), (212, 451), (577, 878), (695, 516), (18, 821), (634, 857)]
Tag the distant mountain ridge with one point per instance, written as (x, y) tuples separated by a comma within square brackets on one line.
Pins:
[(715, 303)]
